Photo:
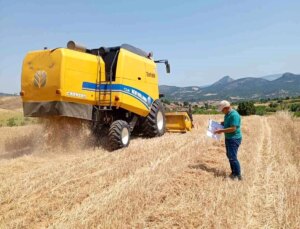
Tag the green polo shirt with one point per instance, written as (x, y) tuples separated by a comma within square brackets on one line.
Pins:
[(233, 118)]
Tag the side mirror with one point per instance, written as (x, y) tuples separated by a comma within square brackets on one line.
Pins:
[(168, 68)]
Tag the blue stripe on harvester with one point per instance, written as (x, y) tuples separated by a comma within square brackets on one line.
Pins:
[(136, 93)]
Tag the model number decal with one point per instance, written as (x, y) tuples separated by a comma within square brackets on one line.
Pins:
[(150, 74), (138, 94), (76, 94)]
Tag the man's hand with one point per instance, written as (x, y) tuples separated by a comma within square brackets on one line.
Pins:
[(218, 131), (226, 130)]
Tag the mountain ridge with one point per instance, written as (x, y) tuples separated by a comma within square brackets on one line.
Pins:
[(288, 84)]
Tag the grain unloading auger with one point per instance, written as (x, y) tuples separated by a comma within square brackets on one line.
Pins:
[(115, 88)]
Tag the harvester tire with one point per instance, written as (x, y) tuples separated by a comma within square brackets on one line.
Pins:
[(155, 123), (119, 134)]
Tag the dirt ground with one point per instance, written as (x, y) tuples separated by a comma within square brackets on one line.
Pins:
[(55, 176)]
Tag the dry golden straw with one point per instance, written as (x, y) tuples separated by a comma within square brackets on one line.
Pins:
[(53, 175)]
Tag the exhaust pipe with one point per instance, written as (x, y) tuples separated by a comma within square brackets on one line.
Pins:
[(75, 46)]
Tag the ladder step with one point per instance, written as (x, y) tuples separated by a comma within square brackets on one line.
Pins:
[(105, 108), (104, 96)]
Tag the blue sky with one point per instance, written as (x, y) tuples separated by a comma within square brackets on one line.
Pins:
[(203, 40)]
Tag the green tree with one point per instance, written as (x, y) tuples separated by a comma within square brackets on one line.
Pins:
[(206, 106), (295, 107), (273, 105), (185, 103), (246, 108), (263, 100), (166, 101)]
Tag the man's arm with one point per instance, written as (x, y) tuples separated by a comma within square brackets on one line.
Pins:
[(226, 130)]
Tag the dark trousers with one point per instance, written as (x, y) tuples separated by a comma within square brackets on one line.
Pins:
[(232, 146)]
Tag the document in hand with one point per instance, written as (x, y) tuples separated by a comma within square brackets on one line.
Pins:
[(212, 127)]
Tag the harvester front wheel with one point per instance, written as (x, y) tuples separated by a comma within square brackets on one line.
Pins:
[(155, 123), (119, 134)]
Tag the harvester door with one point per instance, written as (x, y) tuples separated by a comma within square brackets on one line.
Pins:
[(131, 74)]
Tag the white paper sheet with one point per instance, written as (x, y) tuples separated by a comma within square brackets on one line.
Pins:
[(212, 127)]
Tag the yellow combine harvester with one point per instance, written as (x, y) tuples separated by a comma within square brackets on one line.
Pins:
[(115, 88)]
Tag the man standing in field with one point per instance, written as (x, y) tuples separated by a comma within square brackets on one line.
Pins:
[(233, 137)]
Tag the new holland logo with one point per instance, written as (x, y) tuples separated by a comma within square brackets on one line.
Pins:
[(40, 79)]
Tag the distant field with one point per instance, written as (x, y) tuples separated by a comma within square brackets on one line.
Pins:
[(53, 175), (11, 103), (11, 113)]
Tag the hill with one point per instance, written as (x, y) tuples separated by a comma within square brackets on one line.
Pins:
[(245, 88), (271, 77), (5, 94)]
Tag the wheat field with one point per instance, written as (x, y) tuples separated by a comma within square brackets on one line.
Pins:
[(58, 176)]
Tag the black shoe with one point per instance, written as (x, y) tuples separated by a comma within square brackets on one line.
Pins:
[(232, 176)]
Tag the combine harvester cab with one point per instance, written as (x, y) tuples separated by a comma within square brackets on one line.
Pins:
[(114, 88)]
